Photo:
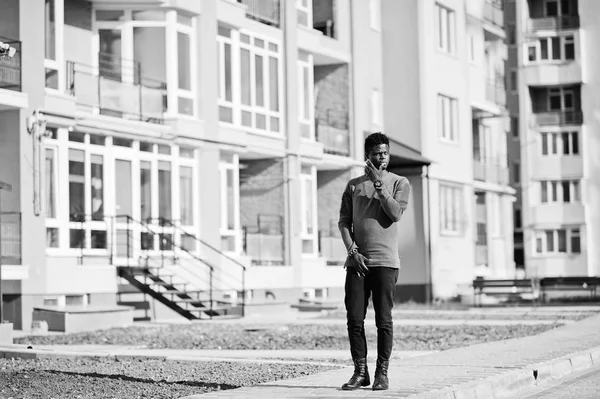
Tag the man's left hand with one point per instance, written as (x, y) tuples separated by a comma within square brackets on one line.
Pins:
[(372, 172)]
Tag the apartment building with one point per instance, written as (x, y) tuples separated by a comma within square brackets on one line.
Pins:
[(190, 155), (555, 85), (446, 99)]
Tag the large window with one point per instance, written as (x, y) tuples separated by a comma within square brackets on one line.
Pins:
[(445, 21), (161, 45), (308, 209), (305, 95), (447, 111), (451, 208), (559, 143), (53, 36), (560, 191), (230, 199), (567, 240), (100, 190), (561, 99), (249, 81), (555, 48)]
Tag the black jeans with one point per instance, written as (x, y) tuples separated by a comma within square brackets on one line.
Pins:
[(380, 282)]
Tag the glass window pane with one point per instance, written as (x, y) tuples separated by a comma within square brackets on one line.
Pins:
[(149, 50), (566, 191), (575, 242), (538, 245), (305, 80), (555, 48), (531, 51), (98, 239), (184, 61), (145, 191), (576, 191), (185, 106), (97, 169), (123, 195), (552, 8), (550, 240), (568, 100), (109, 59), (184, 20), (149, 15), (186, 152), (50, 185), (76, 238), (109, 15), (146, 147), (544, 49), (259, 80), (164, 190), (186, 195), (562, 241), (544, 144), (225, 114), (52, 237), (50, 30), (570, 50), (224, 31), (245, 77), (230, 199), (310, 220), (274, 84), (544, 187), (575, 142), (554, 143), (164, 149), (76, 185), (554, 191), (227, 66), (51, 78)]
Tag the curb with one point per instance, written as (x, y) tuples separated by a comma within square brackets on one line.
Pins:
[(510, 383)]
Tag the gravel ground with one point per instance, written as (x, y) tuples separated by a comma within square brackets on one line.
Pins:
[(149, 379), (215, 336)]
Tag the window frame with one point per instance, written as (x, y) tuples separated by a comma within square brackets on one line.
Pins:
[(541, 236), (232, 166), (445, 23), (306, 98), (451, 200), (307, 9), (58, 64), (450, 104), (537, 46), (309, 179), (557, 137), (556, 187)]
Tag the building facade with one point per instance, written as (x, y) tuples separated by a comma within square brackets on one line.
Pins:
[(556, 87), (446, 81), (206, 144)]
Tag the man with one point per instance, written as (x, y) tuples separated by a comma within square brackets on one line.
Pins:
[(372, 205)]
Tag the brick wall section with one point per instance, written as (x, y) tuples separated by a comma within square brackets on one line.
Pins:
[(330, 186), (331, 93), (261, 190)]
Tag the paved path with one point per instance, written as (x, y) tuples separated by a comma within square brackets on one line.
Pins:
[(505, 361), (582, 385)]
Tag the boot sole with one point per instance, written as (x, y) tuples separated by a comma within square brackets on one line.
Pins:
[(364, 384)]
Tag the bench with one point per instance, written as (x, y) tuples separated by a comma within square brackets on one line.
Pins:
[(581, 283), (505, 288)]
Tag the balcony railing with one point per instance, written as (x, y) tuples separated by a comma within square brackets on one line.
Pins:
[(490, 171), (557, 118), (553, 23), (10, 68), (10, 223), (331, 128), (264, 242), (495, 92), (112, 89), (493, 11), (265, 11)]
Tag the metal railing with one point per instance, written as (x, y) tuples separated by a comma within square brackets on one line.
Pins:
[(495, 91), (493, 11), (264, 241), (10, 68), (11, 238), (117, 88), (557, 118), (265, 11), (331, 129), (553, 23), (490, 170)]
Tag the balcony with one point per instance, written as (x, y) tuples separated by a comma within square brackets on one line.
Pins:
[(493, 12), (263, 11), (117, 88), (10, 68), (495, 92), (490, 171), (331, 129), (553, 23), (557, 118), (10, 235)]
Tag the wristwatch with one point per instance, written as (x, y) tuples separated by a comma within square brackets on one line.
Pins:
[(378, 184)]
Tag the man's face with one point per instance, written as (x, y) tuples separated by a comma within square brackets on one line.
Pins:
[(379, 155)]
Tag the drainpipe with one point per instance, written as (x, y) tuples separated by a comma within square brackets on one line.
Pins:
[(36, 126), (428, 278)]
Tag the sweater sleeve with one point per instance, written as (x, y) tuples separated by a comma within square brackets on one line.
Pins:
[(346, 209), (395, 204)]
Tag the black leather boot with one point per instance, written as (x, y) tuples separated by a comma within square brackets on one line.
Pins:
[(360, 378), (381, 382)]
